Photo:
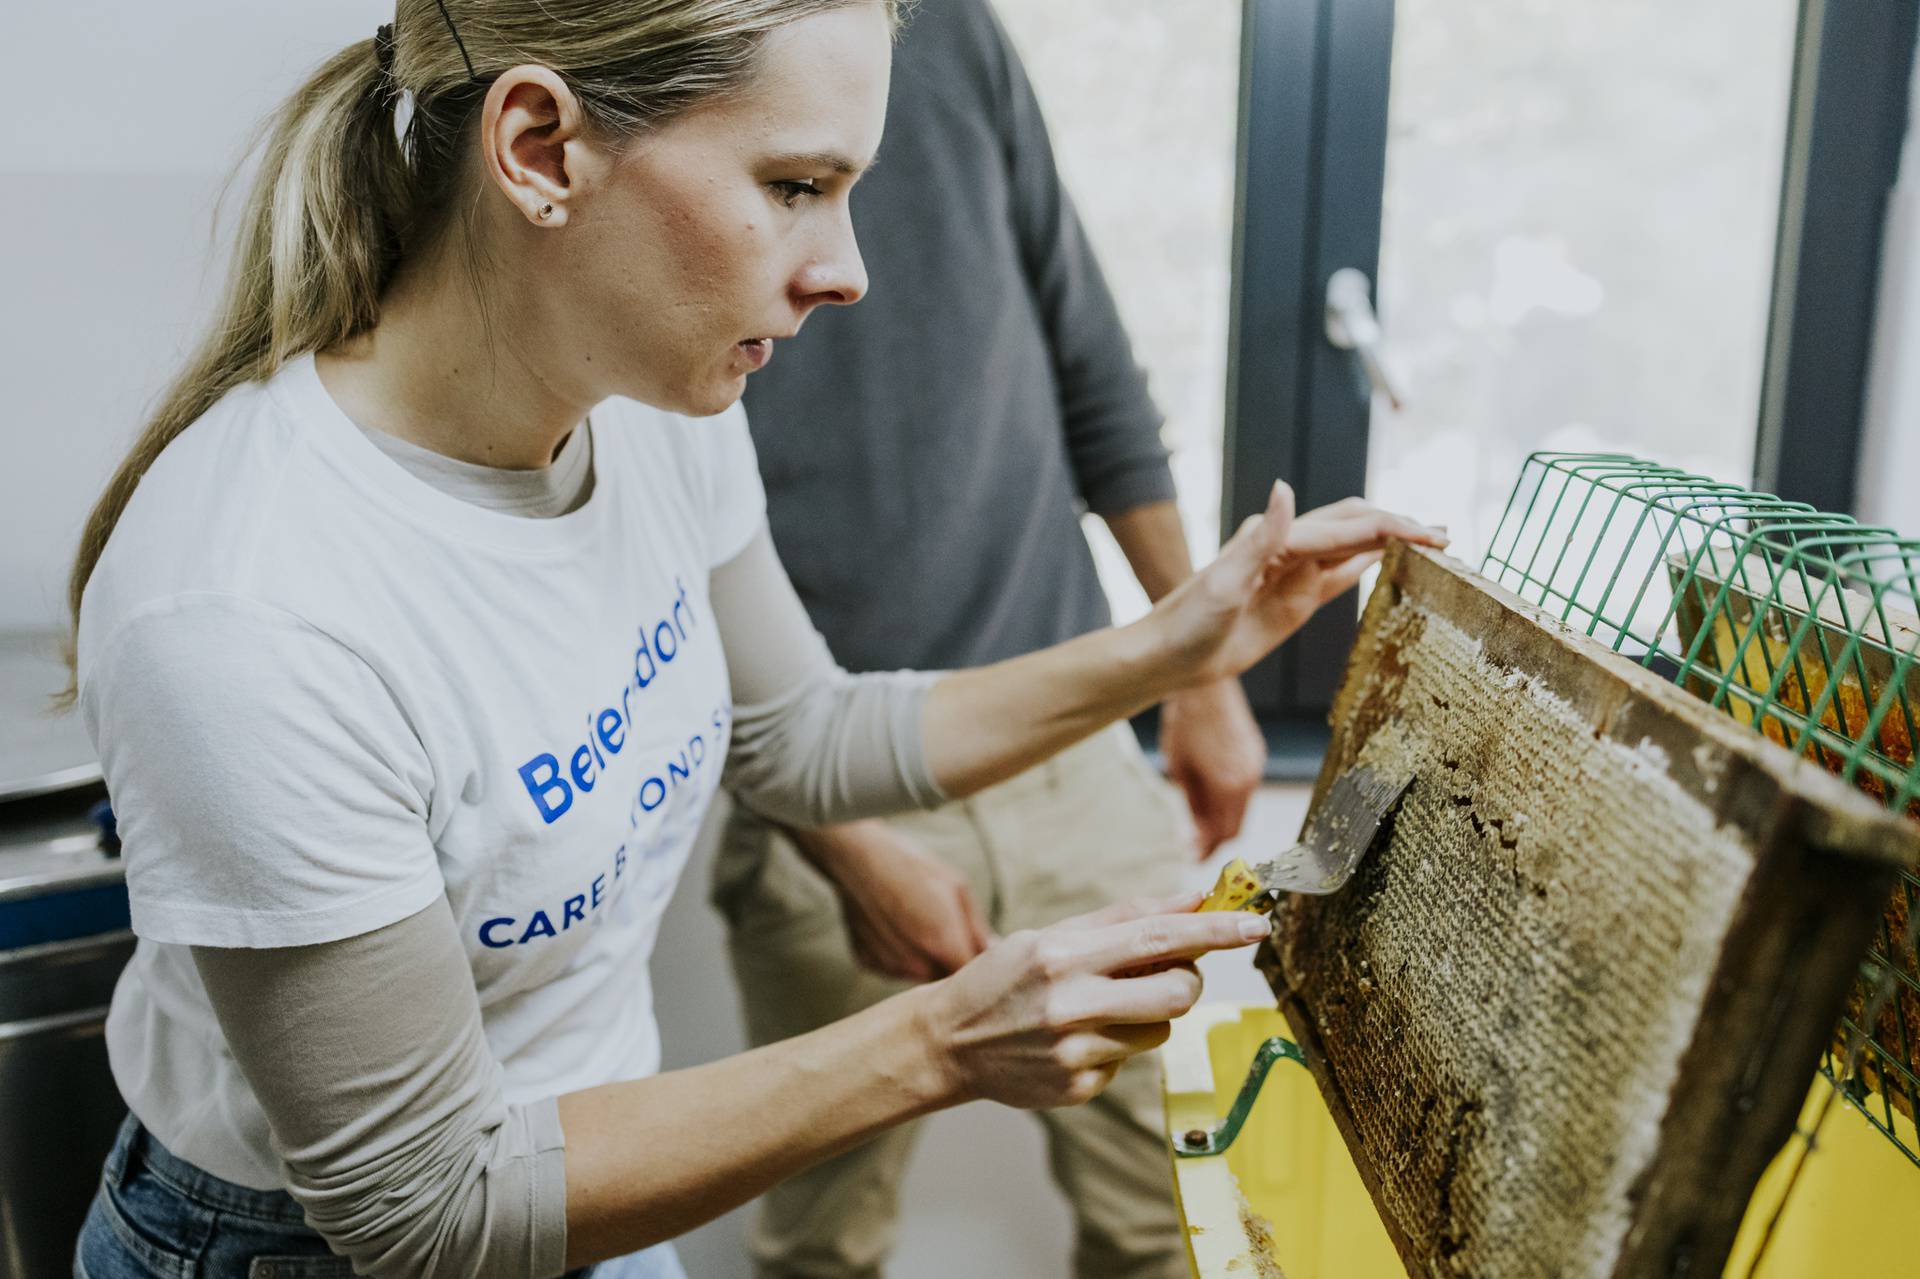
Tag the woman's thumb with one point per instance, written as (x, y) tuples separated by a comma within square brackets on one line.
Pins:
[(1279, 515), (1262, 537)]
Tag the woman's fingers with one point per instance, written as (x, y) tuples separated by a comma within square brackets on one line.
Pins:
[(1337, 581), (1280, 505), (1090, 1002), (1334, 537), (1134, 908), (1088, 1084), (1260, 538), (1159, 939), (1150, 997), (1109, 1045), (1339, 529)]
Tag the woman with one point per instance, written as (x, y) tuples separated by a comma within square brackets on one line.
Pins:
[(415, 631)]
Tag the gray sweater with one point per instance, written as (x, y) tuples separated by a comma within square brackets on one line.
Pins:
[(927, 452)]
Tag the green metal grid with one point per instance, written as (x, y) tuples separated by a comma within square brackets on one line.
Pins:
[(1797, 622)]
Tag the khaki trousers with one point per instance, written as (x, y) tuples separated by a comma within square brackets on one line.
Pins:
[(1092, 826)]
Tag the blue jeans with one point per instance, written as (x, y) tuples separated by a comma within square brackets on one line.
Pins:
[(156, 1216)]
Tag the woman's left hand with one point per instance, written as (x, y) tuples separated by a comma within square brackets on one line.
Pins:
[(1272, 576)]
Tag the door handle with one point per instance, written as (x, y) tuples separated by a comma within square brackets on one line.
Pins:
[(1352, 326)]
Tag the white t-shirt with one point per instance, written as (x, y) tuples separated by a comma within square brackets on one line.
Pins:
[(325, 693)]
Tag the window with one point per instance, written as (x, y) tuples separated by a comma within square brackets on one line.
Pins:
[(1577, 242)]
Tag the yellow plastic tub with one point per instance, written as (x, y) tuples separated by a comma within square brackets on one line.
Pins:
[(1285, 1199)]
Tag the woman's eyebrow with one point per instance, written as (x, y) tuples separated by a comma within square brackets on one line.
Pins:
[(830, 160)]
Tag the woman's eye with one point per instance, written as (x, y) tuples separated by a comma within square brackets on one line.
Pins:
[(791, 192)]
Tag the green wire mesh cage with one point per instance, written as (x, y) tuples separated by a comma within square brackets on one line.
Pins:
[(1800, 623)]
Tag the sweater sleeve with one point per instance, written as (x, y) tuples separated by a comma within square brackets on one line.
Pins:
[(1112, 424)]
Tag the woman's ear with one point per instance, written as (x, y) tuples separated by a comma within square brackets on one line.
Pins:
[(533, 140)]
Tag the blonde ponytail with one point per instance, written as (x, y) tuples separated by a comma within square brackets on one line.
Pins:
[(317, 239)]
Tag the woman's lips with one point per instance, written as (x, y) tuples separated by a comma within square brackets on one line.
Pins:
[(757, 350)]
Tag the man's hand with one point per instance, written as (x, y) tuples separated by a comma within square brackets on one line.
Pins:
[(1216, 754), (908, 913)]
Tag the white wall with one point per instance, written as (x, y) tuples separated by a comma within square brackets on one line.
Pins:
[(1890, 453), (126, 120)]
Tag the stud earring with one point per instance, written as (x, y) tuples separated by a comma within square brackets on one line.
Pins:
[(546, 211)]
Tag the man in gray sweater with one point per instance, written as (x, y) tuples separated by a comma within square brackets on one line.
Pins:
[(927, 456)]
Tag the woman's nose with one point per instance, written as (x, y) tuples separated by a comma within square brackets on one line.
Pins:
[(837, 276), (832, 284)]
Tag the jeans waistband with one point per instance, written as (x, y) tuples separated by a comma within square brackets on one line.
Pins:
[(137, 1148)]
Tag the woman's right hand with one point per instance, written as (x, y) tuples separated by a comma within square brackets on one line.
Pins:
[(1044, 1018), (1268, 580)]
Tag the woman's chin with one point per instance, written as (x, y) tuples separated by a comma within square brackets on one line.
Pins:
[(701, 397), (715, 397)]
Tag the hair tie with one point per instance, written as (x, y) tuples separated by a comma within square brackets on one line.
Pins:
[(383, 49)]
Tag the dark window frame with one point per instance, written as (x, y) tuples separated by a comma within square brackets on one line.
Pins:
[(1312, 138), (1846, 122)]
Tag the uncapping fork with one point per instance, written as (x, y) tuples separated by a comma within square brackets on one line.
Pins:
[(1339, 833)]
